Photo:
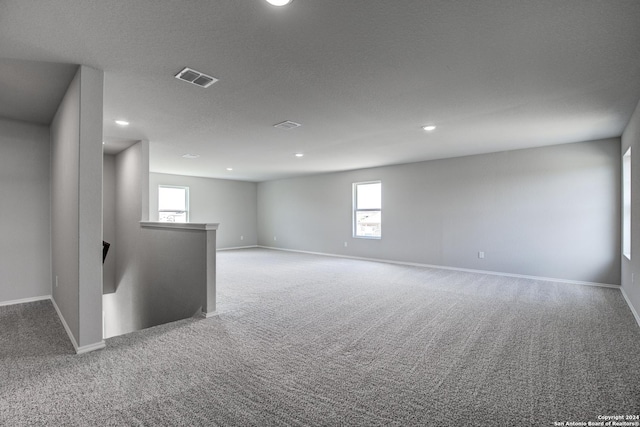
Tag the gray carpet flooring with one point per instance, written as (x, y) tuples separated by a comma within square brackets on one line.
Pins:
[(312, 340)]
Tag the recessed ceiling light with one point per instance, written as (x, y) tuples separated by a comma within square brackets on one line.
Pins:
[(279, 2), (122, 122), (429, 128), (229, 169), (299, 155), (191, 156)]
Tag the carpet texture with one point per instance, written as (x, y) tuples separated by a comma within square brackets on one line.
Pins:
[(312, 340)]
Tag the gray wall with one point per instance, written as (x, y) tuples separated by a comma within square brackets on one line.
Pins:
[(548, 212), (119, 307), (90, 207), (65, 140), (109, 222), (25, 252), (76, 207), (160, 274), (232, 204), (631, 268)]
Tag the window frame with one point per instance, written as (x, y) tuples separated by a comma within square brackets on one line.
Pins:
[(186, 201), (355, 210)]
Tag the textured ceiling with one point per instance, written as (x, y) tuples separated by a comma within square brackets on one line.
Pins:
[(361, 76), (31, 91)]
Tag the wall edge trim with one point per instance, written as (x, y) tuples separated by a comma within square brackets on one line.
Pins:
[(443, 267), (79, 350), (631, 307), (64, 323)]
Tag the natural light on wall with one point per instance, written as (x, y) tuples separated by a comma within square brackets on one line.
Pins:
[(173, 204), (367, 210), (626, 204)]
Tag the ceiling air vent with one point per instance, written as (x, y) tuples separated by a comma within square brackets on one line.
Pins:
[(196, 77), (287, 125)]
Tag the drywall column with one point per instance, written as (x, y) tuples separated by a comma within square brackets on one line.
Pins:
[(631, 267), (76, 210), (90, 210), (209, 303)]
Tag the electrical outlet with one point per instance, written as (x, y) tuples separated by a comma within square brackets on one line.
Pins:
[(275, 238), (56, 281), (241, 237), (481, 255), (345, 244)]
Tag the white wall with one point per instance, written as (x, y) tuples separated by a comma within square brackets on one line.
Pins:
[(631, 268), (90, 207), (109, 222), (25, 252), (65, 140), (232, 204), (119, 307), (547, 212), (76, 208)]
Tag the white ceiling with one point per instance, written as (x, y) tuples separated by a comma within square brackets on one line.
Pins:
[(361, 76), (31, 90)]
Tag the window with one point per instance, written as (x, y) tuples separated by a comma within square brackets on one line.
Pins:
[(626, 204), (173, 203), (367, 210)]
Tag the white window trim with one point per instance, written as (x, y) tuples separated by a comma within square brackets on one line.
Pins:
[(355, 209), (187, 201)]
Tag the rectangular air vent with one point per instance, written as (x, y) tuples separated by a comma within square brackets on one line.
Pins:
[(287, 125), (196, 77)]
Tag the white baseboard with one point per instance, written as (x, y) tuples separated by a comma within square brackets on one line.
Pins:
[(25, 300), (442, 267), (237, 247), (64, 323), (79, 350), (210, 314), (91, 347), (631, 307)]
